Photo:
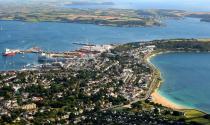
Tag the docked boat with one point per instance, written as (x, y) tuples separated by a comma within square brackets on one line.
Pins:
[(9, 52)]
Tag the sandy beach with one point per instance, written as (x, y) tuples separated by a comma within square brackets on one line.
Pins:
[(157, 98)]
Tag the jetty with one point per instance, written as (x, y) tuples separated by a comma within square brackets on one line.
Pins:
[(13, 52)]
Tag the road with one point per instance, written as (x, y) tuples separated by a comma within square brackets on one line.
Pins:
[(153, 85)]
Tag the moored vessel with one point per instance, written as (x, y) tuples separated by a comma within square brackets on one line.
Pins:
[(9, 52)]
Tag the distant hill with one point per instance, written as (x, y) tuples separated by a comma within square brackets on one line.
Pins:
[(89, 3)]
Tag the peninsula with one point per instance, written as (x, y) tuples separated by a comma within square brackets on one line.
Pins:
[(108, 17), (109, 84)]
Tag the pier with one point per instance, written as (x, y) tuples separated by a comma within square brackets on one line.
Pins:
[(85, 52), (13, 52)]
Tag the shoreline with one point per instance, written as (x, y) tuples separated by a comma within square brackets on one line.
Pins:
[(160, 99), (156, 96), (80, 22)]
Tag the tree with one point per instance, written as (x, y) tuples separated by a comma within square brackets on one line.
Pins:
[(156, 111), (6, 118), (137, 105), (176, 113)]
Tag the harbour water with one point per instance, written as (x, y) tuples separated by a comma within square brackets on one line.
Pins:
[(53, 36), (186, 78)]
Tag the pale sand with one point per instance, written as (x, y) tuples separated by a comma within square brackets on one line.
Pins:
[(157, 98)]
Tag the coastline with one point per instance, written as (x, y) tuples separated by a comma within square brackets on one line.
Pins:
[(160, 99), (85, 22), (156, 96)]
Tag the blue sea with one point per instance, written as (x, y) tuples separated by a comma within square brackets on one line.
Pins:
[(54, 36), (186, 78)]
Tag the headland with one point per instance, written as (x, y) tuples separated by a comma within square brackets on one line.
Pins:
[(104, 17)]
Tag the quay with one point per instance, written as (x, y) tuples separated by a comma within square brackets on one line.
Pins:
[(87, 51), (13, 52)]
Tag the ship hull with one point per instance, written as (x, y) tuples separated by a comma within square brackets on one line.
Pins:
[(8, 54)]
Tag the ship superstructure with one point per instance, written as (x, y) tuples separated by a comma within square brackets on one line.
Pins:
[(10, 52)]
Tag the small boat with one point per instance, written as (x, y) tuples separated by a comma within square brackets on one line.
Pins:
[(9, 52)]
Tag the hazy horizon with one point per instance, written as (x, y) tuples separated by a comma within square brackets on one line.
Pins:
[(190, 5)]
